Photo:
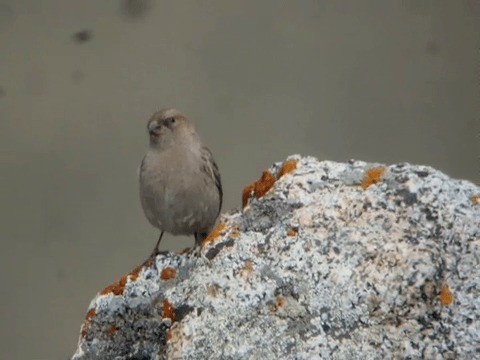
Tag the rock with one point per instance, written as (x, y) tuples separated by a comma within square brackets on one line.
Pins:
[(325, 261)]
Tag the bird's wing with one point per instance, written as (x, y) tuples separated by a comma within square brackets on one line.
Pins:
[(210, 167)]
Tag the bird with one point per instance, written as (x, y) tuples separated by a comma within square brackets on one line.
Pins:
[(180, 184)]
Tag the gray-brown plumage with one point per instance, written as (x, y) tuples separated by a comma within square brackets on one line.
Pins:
[(180, 187)]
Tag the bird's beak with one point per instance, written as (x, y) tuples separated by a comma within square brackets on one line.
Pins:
[(154, 129)]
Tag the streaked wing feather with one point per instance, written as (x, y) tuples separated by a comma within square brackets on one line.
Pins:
[(211, 168)]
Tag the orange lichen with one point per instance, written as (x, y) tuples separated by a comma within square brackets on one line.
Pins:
[(475, 199), (372, 176), (279, 302), (287, 167), (86, 323), (111, 330), (168, 273), (148, 263), (90, 315), (247, 193), (184, 251), (264, 184), (116, 288), (215, 233), (292, 232), (134, 274), (259, 187), (169, 334), (277, 305), (168, 310), (235, 233), (446, 296)]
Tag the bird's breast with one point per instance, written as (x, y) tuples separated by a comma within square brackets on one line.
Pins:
[(174, 193)]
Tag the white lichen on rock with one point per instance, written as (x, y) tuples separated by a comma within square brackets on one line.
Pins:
[(335, 261)]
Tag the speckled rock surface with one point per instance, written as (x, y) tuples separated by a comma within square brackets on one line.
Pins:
[(325, 261)]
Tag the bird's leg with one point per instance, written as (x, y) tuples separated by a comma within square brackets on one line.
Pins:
[(199, 237), (155, 251)]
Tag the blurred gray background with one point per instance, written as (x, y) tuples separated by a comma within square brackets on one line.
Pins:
[(383, 81)]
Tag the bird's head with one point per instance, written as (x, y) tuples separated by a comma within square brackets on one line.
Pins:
[(168, 127)]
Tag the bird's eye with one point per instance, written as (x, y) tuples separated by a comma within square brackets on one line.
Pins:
[(170, 121)]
